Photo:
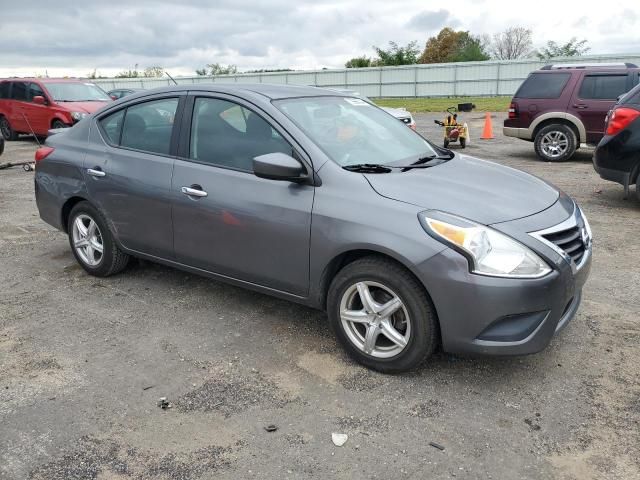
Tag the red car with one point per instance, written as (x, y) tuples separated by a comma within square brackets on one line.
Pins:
[(35, 105)]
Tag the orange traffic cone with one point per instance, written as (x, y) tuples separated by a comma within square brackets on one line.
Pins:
[(487, 132)]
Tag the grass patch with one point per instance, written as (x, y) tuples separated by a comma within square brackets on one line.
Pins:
[(417, 105)]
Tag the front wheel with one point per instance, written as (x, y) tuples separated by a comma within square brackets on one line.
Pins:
[(555, 143), (92, 243), (381, 315)]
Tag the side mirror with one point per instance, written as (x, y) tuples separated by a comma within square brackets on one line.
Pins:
[(279, 166), (39, 100)]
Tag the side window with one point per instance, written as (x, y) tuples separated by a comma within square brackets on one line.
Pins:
[(148, 126), (543, 85), (112, 126), (19, 91), (603, 87), (226, 134), (35, 90), (4, 90)]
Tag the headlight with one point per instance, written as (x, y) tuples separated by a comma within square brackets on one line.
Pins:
[(77, 116), (489, 252)]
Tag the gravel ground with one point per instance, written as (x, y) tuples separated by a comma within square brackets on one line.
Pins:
[(83, 362)]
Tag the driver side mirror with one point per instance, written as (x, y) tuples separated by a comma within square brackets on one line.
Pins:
[(279, 166), (39, 100)]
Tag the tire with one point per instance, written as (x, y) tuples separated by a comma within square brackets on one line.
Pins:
[(413, 321), (1, 144), (446, 143), (463, 142), (7, 132), (638, 187), (111, 260), (555, 143), (59, 124)]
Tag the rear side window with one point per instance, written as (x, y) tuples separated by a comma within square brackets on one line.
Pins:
[(112, 126), (19, 91), (603, 87), (4, 90), (543, 85), (148, 126)]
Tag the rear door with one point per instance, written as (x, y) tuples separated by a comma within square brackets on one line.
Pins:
[(16, 112), (38, 116), (595, 96), (240, 226), (128, 171)]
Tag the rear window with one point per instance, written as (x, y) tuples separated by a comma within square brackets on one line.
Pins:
[(603, 87), (543, 85)]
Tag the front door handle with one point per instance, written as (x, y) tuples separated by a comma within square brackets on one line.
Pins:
[(194, 191), (580, 106), (96, 172)]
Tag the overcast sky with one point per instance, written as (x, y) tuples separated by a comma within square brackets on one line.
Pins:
[(41, 35)]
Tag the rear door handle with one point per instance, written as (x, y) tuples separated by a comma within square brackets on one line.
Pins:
[(194, 191), (96, 172), (580, 106)]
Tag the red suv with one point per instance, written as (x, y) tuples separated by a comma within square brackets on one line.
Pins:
[(34, 105), (560, 107)]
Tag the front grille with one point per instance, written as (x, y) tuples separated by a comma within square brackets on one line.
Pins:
[(570, 241)]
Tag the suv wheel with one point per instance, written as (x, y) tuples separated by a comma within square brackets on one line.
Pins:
[(92, 243), (6, 130), (382, 315), (555, 143)]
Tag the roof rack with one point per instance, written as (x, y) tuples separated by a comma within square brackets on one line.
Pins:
[(560, 66)]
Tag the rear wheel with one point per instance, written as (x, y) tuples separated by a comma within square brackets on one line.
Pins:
[(638, 187), (555, 143), (92, 243), (382, 315), (7, 132)]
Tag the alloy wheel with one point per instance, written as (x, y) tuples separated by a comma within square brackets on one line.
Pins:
[(554, 144), (375, 319), (87, 240)]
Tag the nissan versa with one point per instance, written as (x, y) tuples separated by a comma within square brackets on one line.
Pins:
[(326, 200)]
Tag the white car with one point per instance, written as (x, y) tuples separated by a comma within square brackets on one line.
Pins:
[(401, 114)]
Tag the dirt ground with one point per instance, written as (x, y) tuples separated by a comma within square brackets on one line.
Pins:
[(83, 362)]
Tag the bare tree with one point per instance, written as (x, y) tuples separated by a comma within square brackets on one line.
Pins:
[(514, 42)]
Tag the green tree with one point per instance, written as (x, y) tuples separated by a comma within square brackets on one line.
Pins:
[(397, 55), (573, 48), (217, 69), (358, 62), (452, 46)]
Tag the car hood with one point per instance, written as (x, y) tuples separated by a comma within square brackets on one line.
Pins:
[(86, 107), (475, 189), (397, 112)]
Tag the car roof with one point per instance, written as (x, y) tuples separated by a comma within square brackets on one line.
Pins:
[(45, 80), (271, 91)]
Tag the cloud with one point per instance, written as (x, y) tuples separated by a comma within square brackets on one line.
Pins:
[(432, 20)]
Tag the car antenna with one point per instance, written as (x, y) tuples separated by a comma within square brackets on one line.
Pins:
[(31, 128), (172, 79)]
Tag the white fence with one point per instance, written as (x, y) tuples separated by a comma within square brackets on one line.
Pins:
[(434, 80)]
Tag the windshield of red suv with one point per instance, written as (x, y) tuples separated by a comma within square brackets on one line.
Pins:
[(351, 131), (76, 92)]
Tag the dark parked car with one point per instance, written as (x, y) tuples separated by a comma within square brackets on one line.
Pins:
[(562, 106), (326, 200), (617, 157), (118, 93)]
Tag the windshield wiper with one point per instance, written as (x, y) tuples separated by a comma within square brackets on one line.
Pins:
[(367, 168)]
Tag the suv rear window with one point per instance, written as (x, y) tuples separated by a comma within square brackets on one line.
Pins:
[(604, 87), (543, 85)]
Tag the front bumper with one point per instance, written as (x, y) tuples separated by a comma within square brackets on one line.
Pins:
[(501, 316)]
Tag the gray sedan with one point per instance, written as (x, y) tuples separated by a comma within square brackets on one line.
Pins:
[(323, 199)]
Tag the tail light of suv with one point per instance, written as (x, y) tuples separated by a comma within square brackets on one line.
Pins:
[(620, 118), (513, 110)]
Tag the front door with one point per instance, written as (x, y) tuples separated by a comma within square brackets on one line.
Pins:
[(38, 116), (237, 224), (593, 99), (128, 170)]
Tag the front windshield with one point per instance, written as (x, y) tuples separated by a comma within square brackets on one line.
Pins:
[(351, 131), (76, 92)]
